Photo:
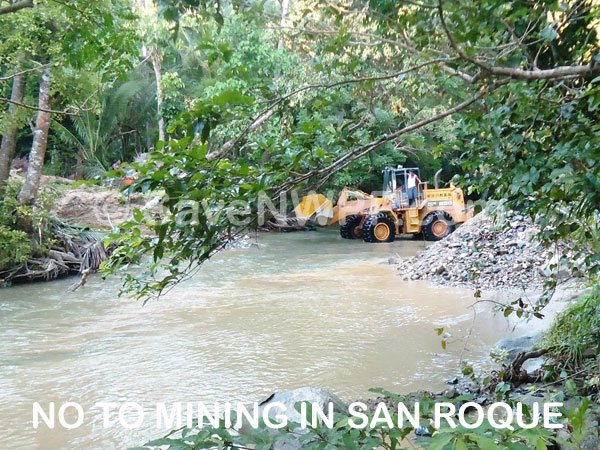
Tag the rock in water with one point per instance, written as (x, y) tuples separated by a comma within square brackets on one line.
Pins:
[(313, 395), (514, 346)]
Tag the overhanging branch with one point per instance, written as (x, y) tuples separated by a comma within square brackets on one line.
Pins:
[(14, 7), (229, 145), (403, 45), (516, 73), (353, 155), (35, 108), (10, 77), (544, 74), (266, 114)]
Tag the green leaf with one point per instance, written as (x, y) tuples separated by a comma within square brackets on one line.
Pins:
[(439, 441), (571, 387), (548, 34), (484, 442), (541, 444), (137, 215), (461, 444)]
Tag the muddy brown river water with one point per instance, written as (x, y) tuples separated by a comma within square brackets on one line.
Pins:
[(302, 309)]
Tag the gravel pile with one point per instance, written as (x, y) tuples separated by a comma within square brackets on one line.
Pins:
[(481, 254)]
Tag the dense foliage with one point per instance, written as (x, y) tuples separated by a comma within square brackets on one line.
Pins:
[(252, 101), (87, 46), (574, 342), (343, 436), (227, 107), (16, 246), (318, 96)]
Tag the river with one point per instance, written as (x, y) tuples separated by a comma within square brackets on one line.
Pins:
[(302, 309)]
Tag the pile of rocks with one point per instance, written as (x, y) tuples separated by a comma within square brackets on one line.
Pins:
[(481, 254)]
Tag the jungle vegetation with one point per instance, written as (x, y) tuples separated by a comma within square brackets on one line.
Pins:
[(223, 102)]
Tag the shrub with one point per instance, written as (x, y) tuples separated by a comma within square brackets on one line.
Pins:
[(343, 436), (574, 340), (576, 331), (15, 245)]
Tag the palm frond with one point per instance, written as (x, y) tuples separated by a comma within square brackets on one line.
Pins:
[(66, 136)]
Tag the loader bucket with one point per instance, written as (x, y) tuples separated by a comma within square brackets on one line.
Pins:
[(315, 207)]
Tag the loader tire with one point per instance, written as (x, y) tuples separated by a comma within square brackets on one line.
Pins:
[(379, 228), (437, 225), (351, 228)]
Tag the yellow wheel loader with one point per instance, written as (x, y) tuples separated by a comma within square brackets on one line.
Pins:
[(407, 206)]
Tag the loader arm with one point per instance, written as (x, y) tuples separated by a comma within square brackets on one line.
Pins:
[(318, 208)]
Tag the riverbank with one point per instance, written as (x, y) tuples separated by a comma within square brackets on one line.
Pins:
[(45, 244), (81, 215), (98, 207)]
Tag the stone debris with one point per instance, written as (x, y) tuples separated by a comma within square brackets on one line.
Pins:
[(482, 254)]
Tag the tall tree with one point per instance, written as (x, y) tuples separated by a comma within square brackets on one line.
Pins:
[(31, 185), (89, 43), (157, 66), (11, 128), (285, 15)]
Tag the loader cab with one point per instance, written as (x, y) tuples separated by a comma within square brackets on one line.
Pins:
[(395, 182)]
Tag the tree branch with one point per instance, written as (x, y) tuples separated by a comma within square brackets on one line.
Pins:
[(358, 124), (536, 74), (403, 45), (342, 162), (228, 146), (453, 43), (367, 79), (35, 108), (514, 373), (14, 7), (266, 114), (544, 74), (10, 77), (74, 8), (518, 40)]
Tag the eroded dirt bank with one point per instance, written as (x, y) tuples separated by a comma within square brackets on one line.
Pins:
[(99, 208)]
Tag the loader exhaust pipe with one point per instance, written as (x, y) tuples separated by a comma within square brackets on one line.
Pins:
[(436, 179)]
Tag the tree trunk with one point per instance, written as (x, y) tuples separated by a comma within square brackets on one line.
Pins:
[(159, 93), (285, 12), (79, 165), (11, 128), (31, 185), (149, 134)]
